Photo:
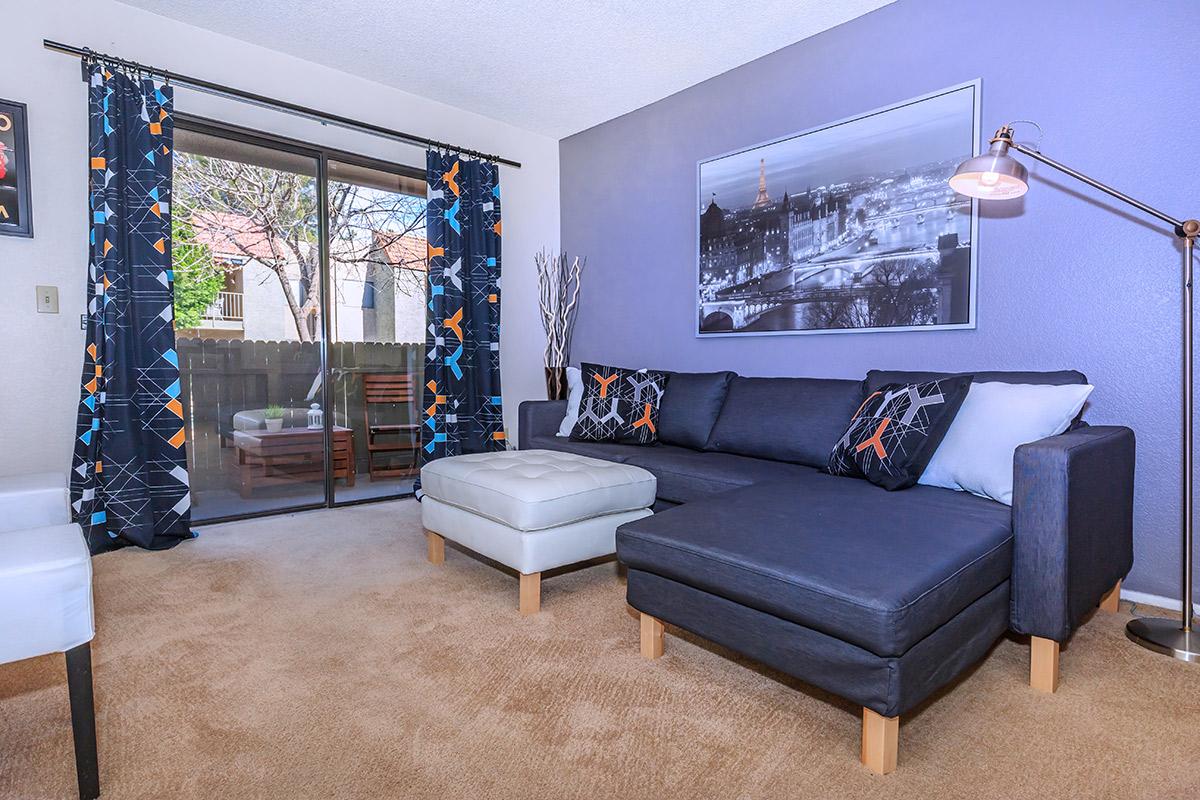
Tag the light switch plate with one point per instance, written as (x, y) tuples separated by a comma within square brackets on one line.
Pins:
[(47, 299)]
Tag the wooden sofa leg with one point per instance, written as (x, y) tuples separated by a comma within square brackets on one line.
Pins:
[(880, 742), (531, 593), (1043, 664), (1111, 602), (83, 720), (652, 636), (436, 547)]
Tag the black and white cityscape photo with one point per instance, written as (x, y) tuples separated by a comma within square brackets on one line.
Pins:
[(848, 227)]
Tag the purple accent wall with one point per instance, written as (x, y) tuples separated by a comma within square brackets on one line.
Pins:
[(1066, 279)]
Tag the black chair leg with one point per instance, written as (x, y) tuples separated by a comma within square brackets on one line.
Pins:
[(83, 720)]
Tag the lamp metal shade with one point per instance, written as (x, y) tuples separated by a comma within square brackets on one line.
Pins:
[(995, 175)]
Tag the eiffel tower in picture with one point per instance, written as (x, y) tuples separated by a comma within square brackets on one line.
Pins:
[(762, 201)]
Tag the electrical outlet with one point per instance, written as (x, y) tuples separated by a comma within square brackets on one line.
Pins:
[(47, 299)]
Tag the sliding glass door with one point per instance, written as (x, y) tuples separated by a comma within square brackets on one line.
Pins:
[(377, 261), (299, 306)]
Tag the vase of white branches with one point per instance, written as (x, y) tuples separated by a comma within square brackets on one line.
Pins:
[(558, 301)]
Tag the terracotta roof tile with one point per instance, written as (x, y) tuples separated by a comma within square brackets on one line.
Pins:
[(233, 235), (405, 251)]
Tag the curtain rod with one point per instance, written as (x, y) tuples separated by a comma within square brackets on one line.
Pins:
[(280, 105)]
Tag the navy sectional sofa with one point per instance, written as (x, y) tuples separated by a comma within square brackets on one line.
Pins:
[(879, 597)]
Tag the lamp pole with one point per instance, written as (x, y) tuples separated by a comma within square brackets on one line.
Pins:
[(996, 175), (1161, 635), (1164, 636)]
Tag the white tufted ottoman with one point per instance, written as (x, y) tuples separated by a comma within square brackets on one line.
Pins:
[(531, 510)]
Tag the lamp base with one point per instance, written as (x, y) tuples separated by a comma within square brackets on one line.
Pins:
[(1165, 636)]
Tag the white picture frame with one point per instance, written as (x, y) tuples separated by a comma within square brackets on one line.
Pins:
[(843, 179)]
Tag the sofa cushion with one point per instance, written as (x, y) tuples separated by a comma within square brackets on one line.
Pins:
[(888, 686), (877, 569), (685, 475), (608, 451), (879, 377), (34, 500), (45, 591), (690, 407), (785, 419)]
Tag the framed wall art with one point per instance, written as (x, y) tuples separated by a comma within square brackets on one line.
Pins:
[(16, 212), (847, 227)]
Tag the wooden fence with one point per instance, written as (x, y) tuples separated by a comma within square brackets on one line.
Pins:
[(222, 377)]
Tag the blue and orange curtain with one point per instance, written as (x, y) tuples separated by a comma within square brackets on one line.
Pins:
[(129, 480), (462, 410)]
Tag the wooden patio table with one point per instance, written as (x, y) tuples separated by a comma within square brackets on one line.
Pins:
[(291, 455)]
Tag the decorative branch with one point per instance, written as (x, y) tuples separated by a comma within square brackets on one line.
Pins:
[(558, 301)]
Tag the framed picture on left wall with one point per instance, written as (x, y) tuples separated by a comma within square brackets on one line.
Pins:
[(16, 210)]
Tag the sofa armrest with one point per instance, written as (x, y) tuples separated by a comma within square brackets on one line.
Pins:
[(34, 501), (1072, 526), (538, 418)]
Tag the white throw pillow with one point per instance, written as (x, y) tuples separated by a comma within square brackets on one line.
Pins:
[(574, 398), (977, 452)]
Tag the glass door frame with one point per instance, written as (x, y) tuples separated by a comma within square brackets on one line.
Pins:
[(322, 155)]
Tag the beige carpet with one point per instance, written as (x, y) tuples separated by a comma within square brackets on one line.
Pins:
[(320, 656)]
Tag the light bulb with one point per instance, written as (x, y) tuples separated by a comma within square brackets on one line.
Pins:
[(989, 179)]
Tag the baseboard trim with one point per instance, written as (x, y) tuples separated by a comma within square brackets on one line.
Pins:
[(1158, 601)]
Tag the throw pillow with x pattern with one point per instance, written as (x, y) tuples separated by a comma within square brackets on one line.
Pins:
[(619, 405), (896, 430)]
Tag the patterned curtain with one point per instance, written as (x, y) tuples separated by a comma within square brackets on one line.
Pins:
[(129, 481), (462, 346)]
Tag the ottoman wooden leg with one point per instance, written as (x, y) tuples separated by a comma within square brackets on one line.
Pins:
[(1043, 664), (880, 741), (652, 636), (531, 592), (436, 547), (1111, 602)]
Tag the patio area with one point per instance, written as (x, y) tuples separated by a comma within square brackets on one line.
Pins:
[(240, 467)]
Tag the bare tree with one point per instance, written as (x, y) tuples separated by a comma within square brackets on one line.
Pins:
[(899, 293), (831, 314), (271, 216), (389, 224)]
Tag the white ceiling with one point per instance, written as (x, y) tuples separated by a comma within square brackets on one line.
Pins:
[(554, 68)]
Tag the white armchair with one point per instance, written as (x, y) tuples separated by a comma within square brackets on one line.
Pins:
[(46, 597)]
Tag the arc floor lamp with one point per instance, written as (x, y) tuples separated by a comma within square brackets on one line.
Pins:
[(996, 175)]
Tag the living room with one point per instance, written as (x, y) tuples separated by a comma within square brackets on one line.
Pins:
[(677, 399)]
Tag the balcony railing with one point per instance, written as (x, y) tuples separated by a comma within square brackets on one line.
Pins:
[(227, 308)]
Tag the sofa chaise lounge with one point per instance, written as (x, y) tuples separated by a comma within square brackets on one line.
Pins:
[(879, 597)]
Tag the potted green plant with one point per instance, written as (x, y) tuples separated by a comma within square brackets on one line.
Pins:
[(274, 418)]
